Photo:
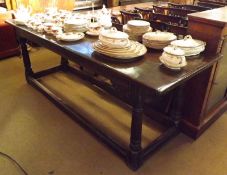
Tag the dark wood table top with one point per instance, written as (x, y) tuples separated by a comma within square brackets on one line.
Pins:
[(147, 72)]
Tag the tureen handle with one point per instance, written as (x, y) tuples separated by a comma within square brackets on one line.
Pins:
[(187, 37), (113, 29)]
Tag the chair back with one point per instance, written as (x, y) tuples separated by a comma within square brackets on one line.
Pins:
[(177, 30), (173, 20), (160, 10), (116, 23), (147, 13), (158, 25), (129, 15), (174, 5), (180, 12)]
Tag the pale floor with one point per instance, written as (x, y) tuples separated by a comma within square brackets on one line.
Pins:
[(45, 141)]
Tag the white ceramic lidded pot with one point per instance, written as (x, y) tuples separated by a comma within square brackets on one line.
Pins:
[(114, 38), (158, 39), (189, 45), (173, 58)]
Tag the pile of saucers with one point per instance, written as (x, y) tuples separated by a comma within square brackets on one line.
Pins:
[(136, 28), (75, 25)]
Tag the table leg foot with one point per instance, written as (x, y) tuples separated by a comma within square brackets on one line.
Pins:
[(134, 160)]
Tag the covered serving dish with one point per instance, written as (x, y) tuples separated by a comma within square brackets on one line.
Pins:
[(189, 45), (173, 58), (113, 38), (158, 39)]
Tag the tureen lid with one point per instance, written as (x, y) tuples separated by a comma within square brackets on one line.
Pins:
[(114, 33), (159, 36), (174, 51), (188, 41), (138, 23)]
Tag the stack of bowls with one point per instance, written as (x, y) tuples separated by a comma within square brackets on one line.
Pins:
[(173, 58), (116, 44), (136, 28), (189, 45), (158, 39), (75, 25)]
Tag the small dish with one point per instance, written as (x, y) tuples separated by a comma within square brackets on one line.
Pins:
[(93, 32), (18, 21), (70, 36)]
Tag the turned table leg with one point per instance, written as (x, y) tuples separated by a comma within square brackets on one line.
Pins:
[(26, 58), (177, 104), (135, 149), (64, 63)]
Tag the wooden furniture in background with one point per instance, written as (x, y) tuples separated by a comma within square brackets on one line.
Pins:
[(129, 15), (188, 7), (209, 97), (8, 43), (210, 5)]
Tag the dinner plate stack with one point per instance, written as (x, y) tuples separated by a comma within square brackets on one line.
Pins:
[(189, 45), (116, 44), (173, 58), (75, 25), (158, 39), (136, 28)]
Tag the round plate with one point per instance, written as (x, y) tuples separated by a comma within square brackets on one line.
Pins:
[(70, 36), (136, 50), (92, 33)]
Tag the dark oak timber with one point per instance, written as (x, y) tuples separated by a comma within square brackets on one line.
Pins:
[(138, 77)]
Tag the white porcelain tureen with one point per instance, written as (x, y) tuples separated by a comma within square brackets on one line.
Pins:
[(173, 58), (190, 45), (113, 38)]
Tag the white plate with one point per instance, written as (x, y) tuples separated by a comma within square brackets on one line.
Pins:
[(70, 36), (20, 21), (92, 33), (136, 50)]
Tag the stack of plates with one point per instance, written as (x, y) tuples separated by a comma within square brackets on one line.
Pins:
[(75, 25), (189, 45), (132, 50), (158, 39), (136, 28)]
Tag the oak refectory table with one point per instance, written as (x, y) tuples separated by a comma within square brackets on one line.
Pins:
[(141, 136)]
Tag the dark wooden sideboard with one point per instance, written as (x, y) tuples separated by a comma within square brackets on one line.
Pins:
[(209, 99)]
